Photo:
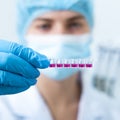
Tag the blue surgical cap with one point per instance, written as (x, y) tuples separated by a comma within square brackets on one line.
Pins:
[(28, 10)]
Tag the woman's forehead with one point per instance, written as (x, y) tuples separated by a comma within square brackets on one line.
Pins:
[(65, 15)]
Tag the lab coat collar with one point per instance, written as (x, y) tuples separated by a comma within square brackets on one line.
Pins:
[(30, 104)]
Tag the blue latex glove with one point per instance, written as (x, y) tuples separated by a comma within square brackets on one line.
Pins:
[(18, 67)]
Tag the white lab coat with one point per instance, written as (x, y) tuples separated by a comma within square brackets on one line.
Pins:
[(30, 105)]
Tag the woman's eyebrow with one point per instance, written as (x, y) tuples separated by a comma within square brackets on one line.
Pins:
[(43, 19), (67, 19), (75, 18)]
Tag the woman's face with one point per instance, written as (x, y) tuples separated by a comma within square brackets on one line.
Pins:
[(59, 22)]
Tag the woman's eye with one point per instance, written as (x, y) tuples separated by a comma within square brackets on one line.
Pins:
[(44, 27), (75, 25)]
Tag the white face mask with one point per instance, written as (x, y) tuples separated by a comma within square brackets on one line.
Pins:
[(61, 47)]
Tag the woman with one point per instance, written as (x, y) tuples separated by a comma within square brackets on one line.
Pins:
[(49, 27)]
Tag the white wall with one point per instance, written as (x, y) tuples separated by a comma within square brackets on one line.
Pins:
[(107, 19), (7, 20)]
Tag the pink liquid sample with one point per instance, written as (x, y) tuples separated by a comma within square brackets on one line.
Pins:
[(74, 65), (71, 65), (66, 65), (81, 65), (59, 65), (89, 65), (52, 65)]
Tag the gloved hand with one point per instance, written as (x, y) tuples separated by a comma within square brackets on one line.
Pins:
[(18, 67)]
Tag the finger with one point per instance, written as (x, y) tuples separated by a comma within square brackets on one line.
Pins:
[(12, 80), (17, 65), (34, 58)]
